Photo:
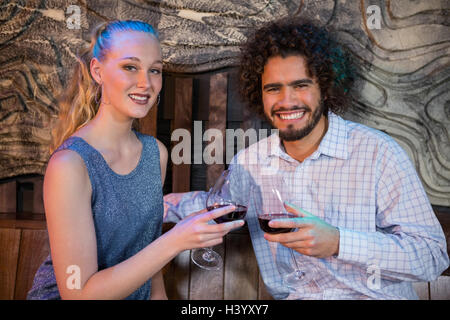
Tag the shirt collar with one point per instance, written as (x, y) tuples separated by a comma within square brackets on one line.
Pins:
[(334, 143)]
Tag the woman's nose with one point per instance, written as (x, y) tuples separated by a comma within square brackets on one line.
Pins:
[(144, 81)]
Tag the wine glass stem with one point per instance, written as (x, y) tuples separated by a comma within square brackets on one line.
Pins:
[(297, 269)]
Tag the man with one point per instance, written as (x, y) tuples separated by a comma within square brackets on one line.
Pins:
[(366, 229)]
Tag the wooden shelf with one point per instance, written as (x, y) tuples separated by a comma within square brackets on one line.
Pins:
[(34, 221)]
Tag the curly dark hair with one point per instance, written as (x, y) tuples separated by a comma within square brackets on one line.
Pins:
[(325, 59)]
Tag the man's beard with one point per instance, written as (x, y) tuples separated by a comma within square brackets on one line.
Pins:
[(292, 134)]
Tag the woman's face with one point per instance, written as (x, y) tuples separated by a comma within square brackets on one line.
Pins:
[(130, 74)]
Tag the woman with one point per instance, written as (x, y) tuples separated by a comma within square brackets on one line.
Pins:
[(103, 185)]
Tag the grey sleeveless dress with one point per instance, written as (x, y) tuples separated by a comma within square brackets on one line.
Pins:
[(127, 211)]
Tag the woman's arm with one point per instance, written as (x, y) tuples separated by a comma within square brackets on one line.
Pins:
[(158, 288), (67, 198)]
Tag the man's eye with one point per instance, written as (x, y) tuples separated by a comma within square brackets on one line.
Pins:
[(272, 89)]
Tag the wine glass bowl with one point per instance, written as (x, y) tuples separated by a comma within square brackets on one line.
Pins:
[(265, 218), (238, 214)]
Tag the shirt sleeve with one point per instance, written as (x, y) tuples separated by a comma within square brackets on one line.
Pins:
[(190, 202), (409, 243), (194, 201)]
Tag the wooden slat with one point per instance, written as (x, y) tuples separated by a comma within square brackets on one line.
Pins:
[(440, 289), (241, 269), (182, 119), (38, 196), (34, 248), (235, 109), (26, 221), (202, 96), (9, 256), (422, 289), (176, 277), (443, 215), (200, 117), (32, 200), (168, 97), (25, 196), (8, 196), (217, 120), (148, 124), (207, 284)]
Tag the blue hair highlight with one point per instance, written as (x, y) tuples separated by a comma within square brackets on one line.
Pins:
[(104, 38)]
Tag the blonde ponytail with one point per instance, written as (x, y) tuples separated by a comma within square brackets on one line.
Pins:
[(79, 103)]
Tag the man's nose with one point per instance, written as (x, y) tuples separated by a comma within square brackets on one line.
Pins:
[(287, 97)]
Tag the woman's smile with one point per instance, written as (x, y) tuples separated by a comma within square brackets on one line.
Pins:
[(141, 99)]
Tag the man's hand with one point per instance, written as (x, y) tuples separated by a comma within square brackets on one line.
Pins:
[(171, 200), (314, 236)]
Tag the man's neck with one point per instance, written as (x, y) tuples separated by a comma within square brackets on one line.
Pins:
[(303, 148)]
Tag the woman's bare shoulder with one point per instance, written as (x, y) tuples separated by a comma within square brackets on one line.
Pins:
[(162, 150), (66, 159), (67, 166)]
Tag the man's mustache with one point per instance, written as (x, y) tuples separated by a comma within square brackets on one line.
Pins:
[(284, 109)]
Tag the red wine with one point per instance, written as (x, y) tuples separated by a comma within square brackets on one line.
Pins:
[(237, 214), (265, 218)]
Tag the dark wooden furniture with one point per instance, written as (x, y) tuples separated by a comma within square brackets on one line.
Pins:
[(24, 243)]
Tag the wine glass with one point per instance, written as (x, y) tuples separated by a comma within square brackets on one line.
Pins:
[(220, 196), (272, 207)]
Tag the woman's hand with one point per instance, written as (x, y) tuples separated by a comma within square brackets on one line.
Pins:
[(195, 232)]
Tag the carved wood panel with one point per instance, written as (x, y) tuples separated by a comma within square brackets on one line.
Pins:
[(402, 80)]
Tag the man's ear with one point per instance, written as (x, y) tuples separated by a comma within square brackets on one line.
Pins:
[(95, 68)]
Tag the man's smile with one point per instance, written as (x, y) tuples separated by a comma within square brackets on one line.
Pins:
[(290, 115)]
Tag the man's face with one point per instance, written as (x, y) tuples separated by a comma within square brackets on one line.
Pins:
[(291, 98)]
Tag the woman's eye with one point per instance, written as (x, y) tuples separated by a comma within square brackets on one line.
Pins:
[(155, 71), (130, 68)]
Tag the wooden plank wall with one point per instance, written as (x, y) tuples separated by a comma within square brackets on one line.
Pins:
[(201, 279), (210, 98), (182, 120), (204, 98)]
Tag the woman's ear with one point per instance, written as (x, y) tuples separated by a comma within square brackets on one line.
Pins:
[(95, 68)]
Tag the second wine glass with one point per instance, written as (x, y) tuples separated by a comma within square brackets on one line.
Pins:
[(272, 207), (220, 195)]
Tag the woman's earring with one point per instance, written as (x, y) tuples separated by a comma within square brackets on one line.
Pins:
[(159, 98)]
